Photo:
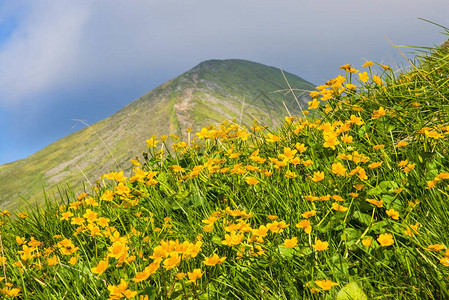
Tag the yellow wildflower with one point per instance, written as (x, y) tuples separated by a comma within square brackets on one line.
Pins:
[(363, 77), (308, 214), (214, 260), (101, 267), (318, 176), (393, 214), (195, 275), (367, 64), (385, 239), (367, 242), (338, 207), (325, 284), (320, 245), (378, 203), (436, 247), (290, 243)]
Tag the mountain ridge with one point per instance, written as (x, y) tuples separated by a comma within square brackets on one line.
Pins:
[(209, 93)]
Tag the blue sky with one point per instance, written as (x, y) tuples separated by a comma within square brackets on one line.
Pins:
[(62, 60)]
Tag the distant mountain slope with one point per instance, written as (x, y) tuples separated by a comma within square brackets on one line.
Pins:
[(210, 93)]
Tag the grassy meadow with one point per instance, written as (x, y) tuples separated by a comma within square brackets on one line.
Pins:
[(353, 205)]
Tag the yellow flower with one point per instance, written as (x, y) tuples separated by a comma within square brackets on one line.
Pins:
[(251, 180), (393, 214), (272, 138), (290, 243), (214, 260), (411, 230), (436, 247), (300, 147), (347, 139), (23, 215), (318, 176), (444, 175), (173, 261), (344, 67), (117, 249), (314, 104), (101, 267), (151, 143), (73, 260), (385, 239), (338, 169), (262, 231), (356, 120), (277, 227), (431, 184), (409, 168), (338, 207), (66, 215), (91, 201), (378, 203), (367, 64), (375, 165), (20, 240), (307, 163), (120, 290), (121, 189), (52, 261), (113, 175), (290, 174), (401, 144), (337, 198), (325, 284), (14, 292), (351, 86), (367, 242), (90, 215), (378, 147), (320, 245), (289, 119), (309, 214), (363, 77), (445, 261), (195, 275), (377, 80), (233, 239), (77, 221), (330, 141), (359, 186), (107, 196), (147, 272)]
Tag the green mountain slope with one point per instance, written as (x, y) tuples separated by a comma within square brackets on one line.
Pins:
[(211, 92)]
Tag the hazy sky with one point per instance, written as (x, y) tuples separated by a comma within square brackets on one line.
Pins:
[(63, 60)]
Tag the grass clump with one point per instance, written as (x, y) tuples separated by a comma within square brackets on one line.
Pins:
[(351, 205)]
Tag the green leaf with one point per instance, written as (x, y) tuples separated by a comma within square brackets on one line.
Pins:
[(351, 291), (362, 218), (216, 240), (286, 252)]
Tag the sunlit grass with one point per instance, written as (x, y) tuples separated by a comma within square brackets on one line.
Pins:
[(351, 205)]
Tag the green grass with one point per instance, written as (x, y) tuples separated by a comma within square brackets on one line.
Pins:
[(251, 213)]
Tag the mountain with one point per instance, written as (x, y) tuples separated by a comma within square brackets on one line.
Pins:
[(210, 93)]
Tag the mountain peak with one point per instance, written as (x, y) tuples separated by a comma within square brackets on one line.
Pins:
[(210, 93)]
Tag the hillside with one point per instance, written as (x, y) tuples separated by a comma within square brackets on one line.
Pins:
[(325, 208), (211, 92)]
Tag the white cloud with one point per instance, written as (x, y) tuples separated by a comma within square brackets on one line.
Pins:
[(42, 48), (63, 42)]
